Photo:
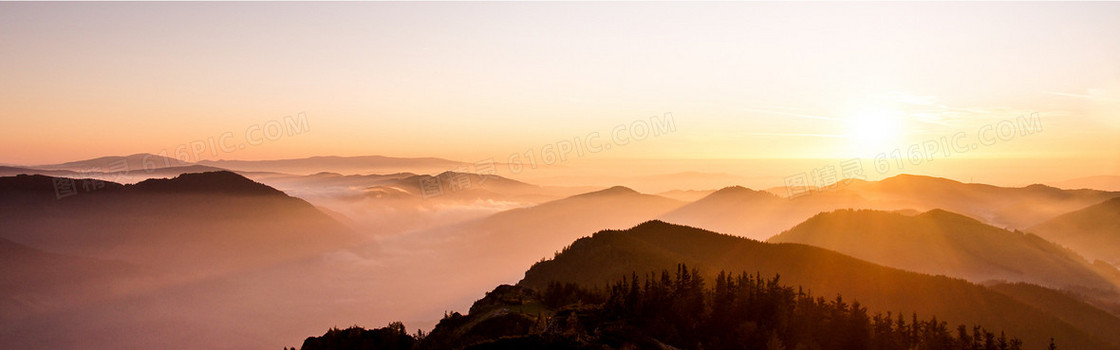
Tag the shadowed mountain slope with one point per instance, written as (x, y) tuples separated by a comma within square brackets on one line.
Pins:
[(1093, 231), (653, 246)]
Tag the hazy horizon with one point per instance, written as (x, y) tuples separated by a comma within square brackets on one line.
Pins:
[(741, 80)]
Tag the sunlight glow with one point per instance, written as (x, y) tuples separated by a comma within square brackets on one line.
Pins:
[(875, 130)]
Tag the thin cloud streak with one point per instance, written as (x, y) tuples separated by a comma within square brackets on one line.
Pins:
[(791, 114), (793, 134)]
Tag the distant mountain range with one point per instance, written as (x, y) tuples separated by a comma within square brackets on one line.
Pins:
[(131, 176), (462, 186), (390, 204), (136, 162), (1011, 207), (345, 165), (686, 195), (310, 165), (146, 164), (1100, 182), (762, 214), (683, 181)]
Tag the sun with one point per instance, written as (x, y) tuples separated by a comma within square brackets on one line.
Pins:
[(875, 130)]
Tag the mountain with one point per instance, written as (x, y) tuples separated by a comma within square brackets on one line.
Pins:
[(350, 165), (136, 162), (390, 204), (219, 182), (448, 184), (687, 181), (1011, 207), (1101, 182), (1093, 231), (737, 210), (495, 249), (469, 186), (741, 311), (653, 246), (757, 214), (414, 277), (944, 243), (518, 237), (105, 265), (197, 223), (1066, 307), (762, 214), (13, 171), (105, 174)]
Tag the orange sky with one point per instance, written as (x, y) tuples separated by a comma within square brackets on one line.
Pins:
[(478, 80)]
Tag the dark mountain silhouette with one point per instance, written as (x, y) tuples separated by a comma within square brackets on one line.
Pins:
[(167, 172), (1066, 307), (390, 337), (1093, 231), (652, 246), (13, 171), (105, 174), (945, 243), (195, 222), (741, 311), (40, 187), (219, 182)]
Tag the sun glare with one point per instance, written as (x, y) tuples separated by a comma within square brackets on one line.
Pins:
[(875, 130)]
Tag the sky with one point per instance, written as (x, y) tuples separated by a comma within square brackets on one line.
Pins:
[(472, 81)]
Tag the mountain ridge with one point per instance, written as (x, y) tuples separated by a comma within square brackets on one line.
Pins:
[(943, 242), (1093, 231), (655, 245)]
